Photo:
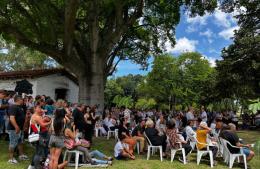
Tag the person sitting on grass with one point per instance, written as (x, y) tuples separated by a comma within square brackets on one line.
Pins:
[(121, 150)]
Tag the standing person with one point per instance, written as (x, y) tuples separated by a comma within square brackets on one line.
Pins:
[(90, 119), (56, 142), (49, 107), (234, 118), (3, 108), (190, 114), (79, 119), (203, 115), (39, 124), (15, 127)]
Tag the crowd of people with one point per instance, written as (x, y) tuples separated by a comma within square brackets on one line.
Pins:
[(62, 125)]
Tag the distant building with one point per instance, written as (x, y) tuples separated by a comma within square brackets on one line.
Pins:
[(56, 83)]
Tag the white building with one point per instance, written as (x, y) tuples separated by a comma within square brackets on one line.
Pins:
[(56, 83)]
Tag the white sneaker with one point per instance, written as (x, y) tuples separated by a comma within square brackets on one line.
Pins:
[(23, 157), (13, 161), (31, 167)]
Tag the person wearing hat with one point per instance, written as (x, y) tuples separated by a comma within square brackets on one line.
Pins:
[(202, 138)]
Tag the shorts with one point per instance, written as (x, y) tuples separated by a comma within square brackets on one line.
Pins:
[(56, 141), (246, 151), (15, 139), (120, 157)]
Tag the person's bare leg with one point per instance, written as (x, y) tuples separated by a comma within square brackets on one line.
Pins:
[(57, 153), (11, 153), (52, 150), (251, 155), (63, 165), (20, 148)]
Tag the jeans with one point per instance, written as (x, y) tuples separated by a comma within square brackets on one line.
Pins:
[(97, 153)]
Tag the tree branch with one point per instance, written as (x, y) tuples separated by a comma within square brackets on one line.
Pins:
[(69, 27)]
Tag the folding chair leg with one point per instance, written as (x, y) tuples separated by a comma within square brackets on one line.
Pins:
[(211, 159), (199, 154), (245, 163), (65, 154), (183, 155), (161, 154), (148, 153), (173, 152), (231, 161), (77, 160)]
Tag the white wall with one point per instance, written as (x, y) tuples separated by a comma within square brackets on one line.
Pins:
[(46, 86)]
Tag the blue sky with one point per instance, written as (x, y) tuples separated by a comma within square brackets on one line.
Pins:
[(207, 35)]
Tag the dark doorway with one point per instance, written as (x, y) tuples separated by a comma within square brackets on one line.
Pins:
[(60, 94)]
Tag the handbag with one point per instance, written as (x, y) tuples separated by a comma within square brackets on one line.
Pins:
[(69, 143), (34, 136)]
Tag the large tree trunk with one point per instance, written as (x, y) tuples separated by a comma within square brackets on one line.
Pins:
[(91, 90)]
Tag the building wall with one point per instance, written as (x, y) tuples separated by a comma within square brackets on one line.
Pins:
[(46, 86)]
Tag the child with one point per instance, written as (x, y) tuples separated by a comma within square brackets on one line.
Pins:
[(121, 150)]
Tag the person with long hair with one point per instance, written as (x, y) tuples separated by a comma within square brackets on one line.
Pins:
[(39, 124), (56, 142)]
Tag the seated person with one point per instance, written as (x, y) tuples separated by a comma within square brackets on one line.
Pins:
[(123, 130), (231, 136), (175, 139), (137, 134), (202, 133), (189, 132), (109, 122), (121, 150), (154, 137), (161, 125), (70, 135)]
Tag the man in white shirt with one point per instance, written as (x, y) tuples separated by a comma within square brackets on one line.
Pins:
[(203, 115), (189, 114), (191, 134)]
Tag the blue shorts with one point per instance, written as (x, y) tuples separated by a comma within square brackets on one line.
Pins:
[(246, 151), (15, 139)]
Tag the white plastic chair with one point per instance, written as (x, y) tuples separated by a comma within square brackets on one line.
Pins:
[(232, 157), (200, 153), (69, 153), (110, 133), (153, 148), (138, 146), (173, 152)]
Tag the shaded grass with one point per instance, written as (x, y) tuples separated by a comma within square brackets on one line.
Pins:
[(107, 146)]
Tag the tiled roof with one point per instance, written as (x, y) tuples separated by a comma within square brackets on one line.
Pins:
[(37, 73)]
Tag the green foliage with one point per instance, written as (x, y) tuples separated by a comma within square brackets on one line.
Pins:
[(254, 107), (120, 101), (22, 58), (112, 89), (238, 72), (179, 80), (145, 104)]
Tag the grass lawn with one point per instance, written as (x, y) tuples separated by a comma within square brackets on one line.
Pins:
[(107, 147)]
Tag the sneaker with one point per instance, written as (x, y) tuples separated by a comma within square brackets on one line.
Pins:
[(31, 167), (23, 157), (180, 159), (13, 161), (110, 158), (109, 162), (215, 162)]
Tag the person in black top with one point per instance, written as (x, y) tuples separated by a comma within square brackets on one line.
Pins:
[(123, 130), (154, 137), (137, 134), (15, 127), (231, 136), (79, 118)]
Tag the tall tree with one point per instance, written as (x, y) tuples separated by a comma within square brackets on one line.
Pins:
[(86, 36), (239, 71)]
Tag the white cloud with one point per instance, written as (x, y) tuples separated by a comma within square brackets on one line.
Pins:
[(208, 33), (228, 33), (223, 19), (201, 20), (190, 29), (182, 45), (212, 61)]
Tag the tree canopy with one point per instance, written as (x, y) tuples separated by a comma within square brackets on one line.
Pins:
[(87, 36)]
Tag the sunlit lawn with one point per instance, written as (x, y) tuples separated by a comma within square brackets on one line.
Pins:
[(141, 163)]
